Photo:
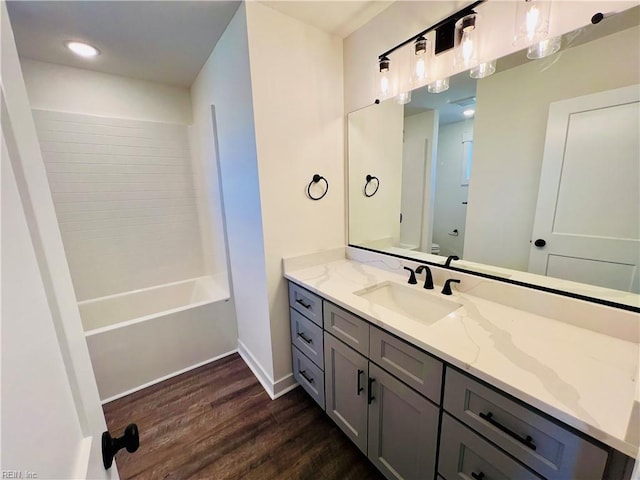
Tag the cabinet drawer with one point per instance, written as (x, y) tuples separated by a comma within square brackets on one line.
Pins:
[(347, 327), (308, 375), (552, 451), (414, 367), (307, 336), (465, 455), (307, 303)]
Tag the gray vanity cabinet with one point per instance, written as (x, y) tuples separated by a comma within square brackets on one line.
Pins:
[(403, 429), (346, 375)]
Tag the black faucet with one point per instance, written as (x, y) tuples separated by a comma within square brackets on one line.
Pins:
[(428, 281), (447, 263), (447, 286), (412, 276)]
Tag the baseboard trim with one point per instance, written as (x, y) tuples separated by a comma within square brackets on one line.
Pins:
[(274, 389), (166, 377)]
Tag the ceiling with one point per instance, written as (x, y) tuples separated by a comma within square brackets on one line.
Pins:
[(450, 104), (161, 41), (337, 17)]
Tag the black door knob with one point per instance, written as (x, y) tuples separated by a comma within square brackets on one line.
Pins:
[(540, 242), (110, 446)]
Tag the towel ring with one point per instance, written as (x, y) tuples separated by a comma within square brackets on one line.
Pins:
[(369, 178), (316, 179)]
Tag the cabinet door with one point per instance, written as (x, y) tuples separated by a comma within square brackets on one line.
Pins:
[(403, 429), (346, 374)]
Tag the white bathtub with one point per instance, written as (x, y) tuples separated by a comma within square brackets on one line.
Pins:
[(141, 337)]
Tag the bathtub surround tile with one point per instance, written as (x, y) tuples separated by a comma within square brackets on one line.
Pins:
[(581, 376), (125, 200), (217, 422)]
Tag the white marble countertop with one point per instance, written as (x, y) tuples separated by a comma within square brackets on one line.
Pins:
[(586, 379)]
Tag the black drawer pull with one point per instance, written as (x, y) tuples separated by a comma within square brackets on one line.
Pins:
[(305, 338), (307, 306), (477, 476), (360, 389), (371, 398), (304, 375), (528, 441)]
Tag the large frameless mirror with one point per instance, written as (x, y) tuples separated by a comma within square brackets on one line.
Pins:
[(529, 175)]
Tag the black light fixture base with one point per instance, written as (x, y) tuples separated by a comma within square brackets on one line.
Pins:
[(110, 446)]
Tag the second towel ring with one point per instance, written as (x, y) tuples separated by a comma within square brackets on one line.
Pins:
[(369, 179), (316, 179)]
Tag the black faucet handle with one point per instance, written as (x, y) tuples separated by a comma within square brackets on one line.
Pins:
[(447, 263), (412, 276), (428, 281), (446, 290)]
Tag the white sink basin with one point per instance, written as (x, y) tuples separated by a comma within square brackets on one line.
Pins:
[(410, 302)]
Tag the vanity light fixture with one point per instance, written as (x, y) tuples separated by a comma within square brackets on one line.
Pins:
[(419, 61), (466, 41), (483, 69), (545, 48), (532, 21), (82, 49), (439, 86)]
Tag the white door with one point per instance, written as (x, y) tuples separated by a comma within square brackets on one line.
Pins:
[(51, 415), (587, 223)]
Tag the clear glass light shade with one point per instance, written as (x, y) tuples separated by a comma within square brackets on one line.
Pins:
[(438, 86), (544, 48), (466, 41), (483, 69), (532, 21), (403, 98), (385, 85), (419, 60)]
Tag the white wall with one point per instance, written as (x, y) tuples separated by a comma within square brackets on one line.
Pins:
[(73, 90), (508, 166), (420, 147), (296, 80), (225, 83), (449, 212), (404, 19), (375, 148)]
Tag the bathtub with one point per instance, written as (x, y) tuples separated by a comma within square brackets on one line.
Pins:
[(141, 337)]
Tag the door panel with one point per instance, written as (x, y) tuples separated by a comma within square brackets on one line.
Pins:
[(588, 210), (403, 429), (345, 403)]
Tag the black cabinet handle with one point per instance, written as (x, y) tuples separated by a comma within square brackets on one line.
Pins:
[(360, 388), (371, 398), (304, 375), (528, 441), (303, 304), (477, 476), (305, 338)]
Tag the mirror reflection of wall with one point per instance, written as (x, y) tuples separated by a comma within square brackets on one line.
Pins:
[(471, 186)]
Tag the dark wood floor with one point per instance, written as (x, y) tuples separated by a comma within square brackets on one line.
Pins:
[(217, 422)]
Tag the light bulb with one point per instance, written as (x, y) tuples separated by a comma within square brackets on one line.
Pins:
[(532, 21), (484, 69), (533, 17), (384, 85)]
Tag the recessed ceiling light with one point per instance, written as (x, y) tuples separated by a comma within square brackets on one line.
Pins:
[(469, 112), (83, 49)]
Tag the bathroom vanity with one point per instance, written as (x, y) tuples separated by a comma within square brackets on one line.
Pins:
[(462, 386)]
